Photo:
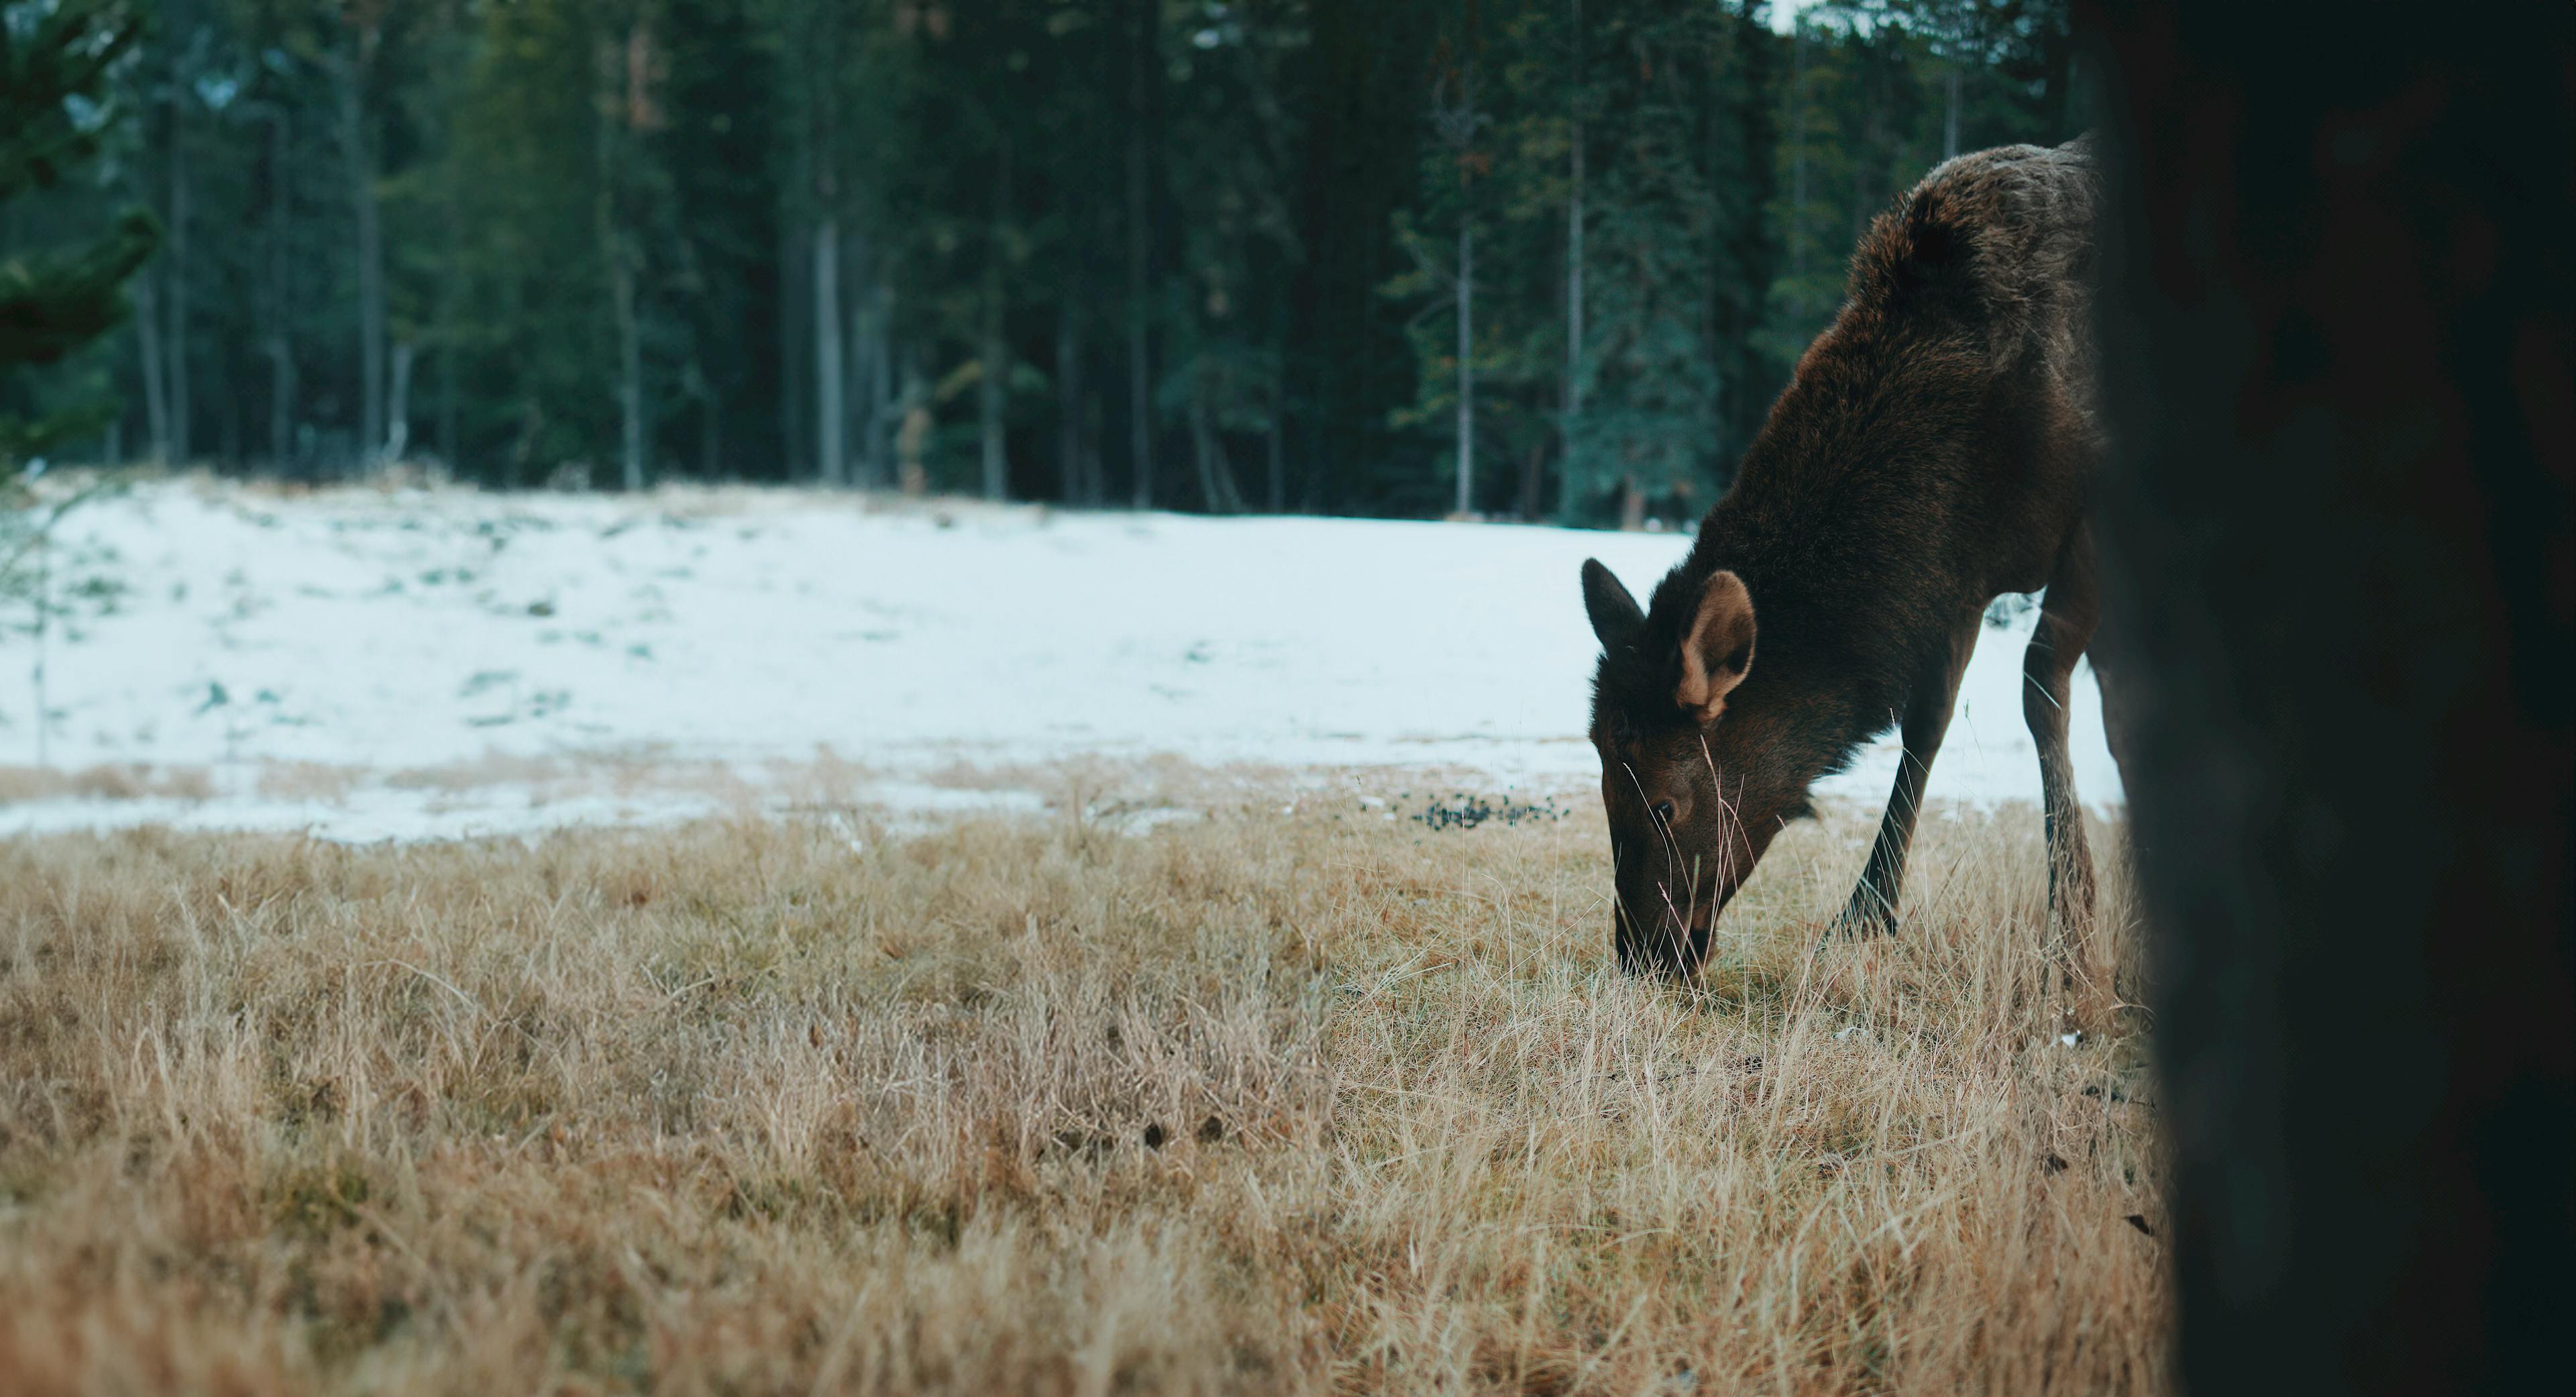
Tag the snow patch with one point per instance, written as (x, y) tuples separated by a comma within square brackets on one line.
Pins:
[(240, 630)]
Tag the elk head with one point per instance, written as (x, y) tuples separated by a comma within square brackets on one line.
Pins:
[(1690, 774)]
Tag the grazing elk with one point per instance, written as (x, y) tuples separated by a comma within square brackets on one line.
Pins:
[(1930, 453)]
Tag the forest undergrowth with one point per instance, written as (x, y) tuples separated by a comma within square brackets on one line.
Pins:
[(1294, 1098)]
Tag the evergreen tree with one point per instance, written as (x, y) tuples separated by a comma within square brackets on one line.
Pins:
[(1649, 429), (1536, 257), (55, 63)]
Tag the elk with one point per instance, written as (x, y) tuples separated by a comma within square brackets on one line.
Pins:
[(1930, 453)]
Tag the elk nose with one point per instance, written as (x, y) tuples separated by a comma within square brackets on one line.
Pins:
[(1663, 812)]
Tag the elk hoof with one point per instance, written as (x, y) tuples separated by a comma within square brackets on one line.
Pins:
[(1866, 916)]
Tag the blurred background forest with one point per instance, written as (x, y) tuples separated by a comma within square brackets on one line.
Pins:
[(1533, 258)]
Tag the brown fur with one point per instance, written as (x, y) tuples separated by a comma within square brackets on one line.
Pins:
[(1930, 453)]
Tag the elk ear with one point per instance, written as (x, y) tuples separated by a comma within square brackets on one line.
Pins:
[(1718, 649), (1614, 613)]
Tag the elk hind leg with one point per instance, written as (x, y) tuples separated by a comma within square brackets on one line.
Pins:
[(2068, 616)]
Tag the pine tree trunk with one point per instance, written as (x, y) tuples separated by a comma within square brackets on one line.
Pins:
[(859, 402), (994, 354), (710, 432), (1798, 155), (1202, 448), (1217, 489), (1068, 402), (1860, 202), (451, 286), (630, 372), (831, 456), (147, 339), (912, 442), (1574, 284), (859, 335), (398, 415), (881, 393), (228, 434), (1632, 504), (994, 388), (1140, 417), (1466, 366), (281, 403), (1950, 117), (616, 250), (175, 258), (281, 355), (370, 250), (1278, 435), (795, 299), (1574, 246)]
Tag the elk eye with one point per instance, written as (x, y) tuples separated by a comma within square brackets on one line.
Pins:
[(1663, 812)]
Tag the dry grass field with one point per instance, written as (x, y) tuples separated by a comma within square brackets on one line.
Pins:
[(1285, 1100)]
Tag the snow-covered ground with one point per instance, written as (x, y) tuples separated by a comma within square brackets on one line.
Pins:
[(392, 663)]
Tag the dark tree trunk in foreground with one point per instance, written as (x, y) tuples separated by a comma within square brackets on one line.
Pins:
[(2337, 539)]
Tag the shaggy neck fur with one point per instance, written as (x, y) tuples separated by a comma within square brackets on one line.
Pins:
[(1840, 509)]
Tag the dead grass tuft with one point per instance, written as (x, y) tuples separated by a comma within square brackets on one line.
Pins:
[(108, 781), (1272, 1102)]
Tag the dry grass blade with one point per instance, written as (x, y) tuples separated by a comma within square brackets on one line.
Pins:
[(1264, 1103)]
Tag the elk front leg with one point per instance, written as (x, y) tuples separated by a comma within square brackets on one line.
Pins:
[(1872, 911)]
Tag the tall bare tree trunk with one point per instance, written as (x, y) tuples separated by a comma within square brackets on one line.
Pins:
[(281, 355), (795, 301), (228, 431), (866, 351), (1217, 489), (1140, 416), (147, 338), (994, 386), (831, 450), (1068, 399), (1860, 200), (398, 415), (175, 259), (994, 355), (1466, 365), (630, 371), (881, 390), (1574, 244), (1950, 117), (618, 78), (356, 152), (1278, 434), (1798, 154), (451, 294), (281, 403), (819, 66), (859, 337), (1457, 128), (710, 424), (912, 440)]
